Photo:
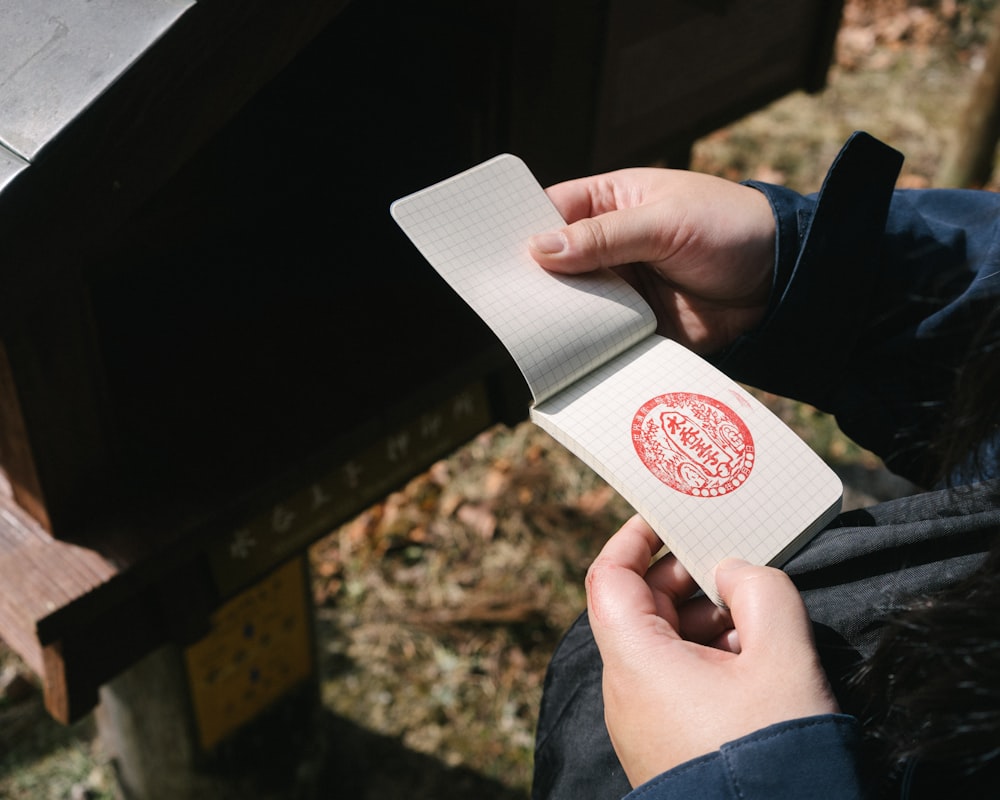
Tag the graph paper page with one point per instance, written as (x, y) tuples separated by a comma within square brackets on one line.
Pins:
[(712, 470), (473, 229)]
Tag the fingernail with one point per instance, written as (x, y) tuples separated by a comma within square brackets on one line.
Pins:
[(731, 563), (550, 243)]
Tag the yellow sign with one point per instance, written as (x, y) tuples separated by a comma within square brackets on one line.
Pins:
[(259, 647)]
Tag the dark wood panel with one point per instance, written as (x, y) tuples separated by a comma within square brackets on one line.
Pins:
[(209, 317)]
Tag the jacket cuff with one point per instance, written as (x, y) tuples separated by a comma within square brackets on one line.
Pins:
[(827, 248), (791, 759)]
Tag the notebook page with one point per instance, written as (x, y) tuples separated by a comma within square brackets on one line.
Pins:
[(712, 470), (473, 229)]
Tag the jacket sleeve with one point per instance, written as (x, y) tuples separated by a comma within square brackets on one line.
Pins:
[(810, 757), (878, 294)]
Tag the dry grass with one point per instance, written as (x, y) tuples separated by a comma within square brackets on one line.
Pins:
[(440, 608)]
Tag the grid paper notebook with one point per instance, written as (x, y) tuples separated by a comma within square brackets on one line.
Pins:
[(712, 471)]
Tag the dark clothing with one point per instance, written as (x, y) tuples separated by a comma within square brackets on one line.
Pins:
[(818, 764), (877, 296), (851, 575)]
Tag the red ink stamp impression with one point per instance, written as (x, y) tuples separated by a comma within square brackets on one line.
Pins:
[(693, 444)]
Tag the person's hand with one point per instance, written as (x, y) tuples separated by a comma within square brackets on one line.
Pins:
[(700, 249), (681, 676)]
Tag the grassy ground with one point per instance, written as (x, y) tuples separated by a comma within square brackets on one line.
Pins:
[(438, 609)]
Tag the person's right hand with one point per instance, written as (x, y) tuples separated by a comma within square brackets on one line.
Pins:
[(700, 249), (682, 677)]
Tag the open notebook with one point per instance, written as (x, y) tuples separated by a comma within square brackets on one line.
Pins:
[(701, 460)]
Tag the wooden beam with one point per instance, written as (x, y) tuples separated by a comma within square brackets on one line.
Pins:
[(16, 459)]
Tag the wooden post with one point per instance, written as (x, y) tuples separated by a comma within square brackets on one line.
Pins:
[(969, 160), (145, 727), (231, 716)]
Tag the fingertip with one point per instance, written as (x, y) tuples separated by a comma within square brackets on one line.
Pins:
[(723, 577), (731, 563), (760, 599), (633, 545), (728, 641), (734, 576), (550, 243)]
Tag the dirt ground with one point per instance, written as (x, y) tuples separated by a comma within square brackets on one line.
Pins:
[(437, 610)]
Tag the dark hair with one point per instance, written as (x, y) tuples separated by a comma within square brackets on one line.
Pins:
[(935, 677), (965, 446), (933, 683)]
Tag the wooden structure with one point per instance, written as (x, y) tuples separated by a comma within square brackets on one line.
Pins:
[(970, 158), (214, 346)]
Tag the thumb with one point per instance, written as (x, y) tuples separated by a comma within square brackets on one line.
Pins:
[(766, 607), (618, 237)]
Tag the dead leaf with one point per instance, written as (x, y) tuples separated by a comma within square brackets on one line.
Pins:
[(479, 518)]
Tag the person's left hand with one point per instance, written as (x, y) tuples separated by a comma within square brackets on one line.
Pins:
[(681, 676), (698, 248)]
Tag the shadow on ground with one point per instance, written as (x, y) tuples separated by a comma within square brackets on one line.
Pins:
[(366, 765)]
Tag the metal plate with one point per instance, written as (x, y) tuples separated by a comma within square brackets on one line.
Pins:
[(10, 166), (259, 648), (58, 56)]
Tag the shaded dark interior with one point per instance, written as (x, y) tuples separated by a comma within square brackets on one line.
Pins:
[(267, 304)]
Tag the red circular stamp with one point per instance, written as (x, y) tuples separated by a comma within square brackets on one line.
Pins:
[(693, 443)]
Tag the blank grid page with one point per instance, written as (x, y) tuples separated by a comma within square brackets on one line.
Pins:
[(473, 229)]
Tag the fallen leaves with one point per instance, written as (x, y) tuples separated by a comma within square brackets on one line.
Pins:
[(450, 595)]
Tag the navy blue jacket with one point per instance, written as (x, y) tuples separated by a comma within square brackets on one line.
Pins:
[(878, 294), (877, 297)]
